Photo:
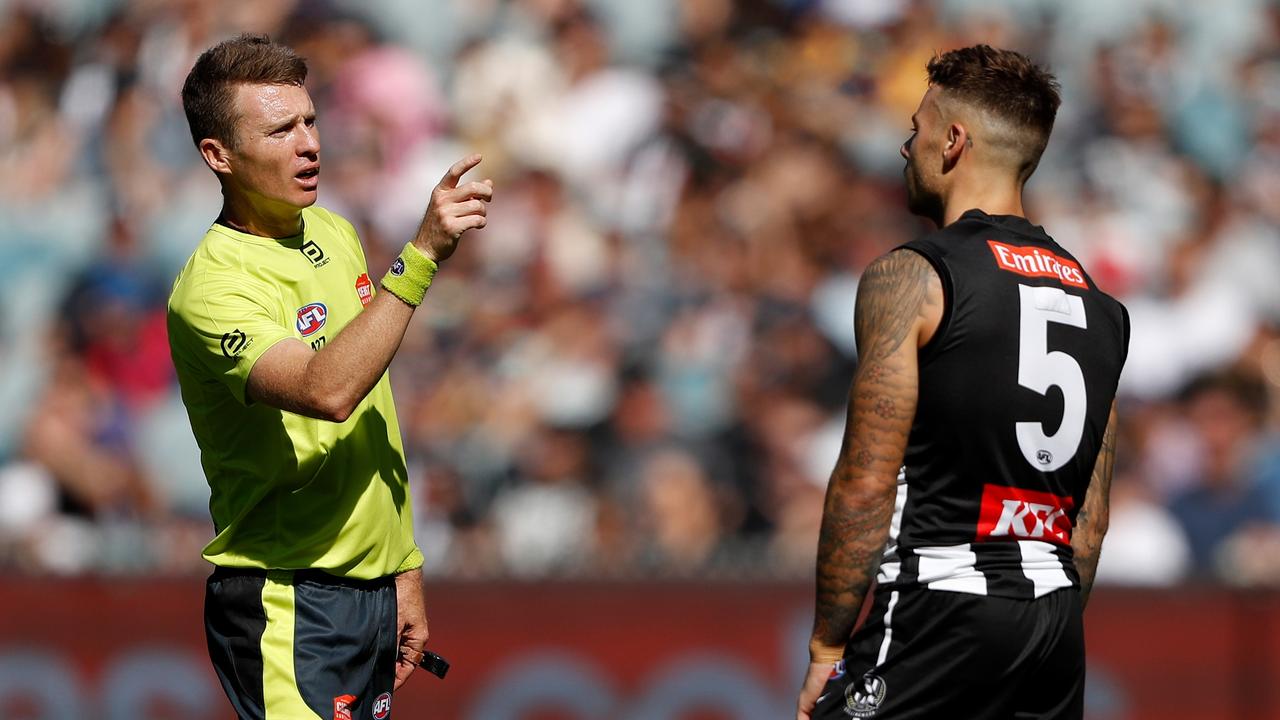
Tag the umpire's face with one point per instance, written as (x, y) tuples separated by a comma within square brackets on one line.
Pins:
[(275, 163)]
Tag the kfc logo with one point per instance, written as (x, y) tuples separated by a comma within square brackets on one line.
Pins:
[(1009, 512), (1034, 262)]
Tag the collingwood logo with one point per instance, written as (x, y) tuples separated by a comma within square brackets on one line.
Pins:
[(863, 697), (314, 253), (233, 342)]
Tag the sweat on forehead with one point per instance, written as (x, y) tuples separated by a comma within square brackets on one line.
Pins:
[(270, 103)]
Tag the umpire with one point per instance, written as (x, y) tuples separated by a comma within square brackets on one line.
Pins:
[(281, 344)]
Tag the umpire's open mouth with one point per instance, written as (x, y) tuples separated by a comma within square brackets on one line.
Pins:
[(309, 177)]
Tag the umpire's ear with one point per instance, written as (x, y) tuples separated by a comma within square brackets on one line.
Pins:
[(216, 155)]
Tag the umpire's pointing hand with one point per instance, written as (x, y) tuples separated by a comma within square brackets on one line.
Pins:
[(453, 210)]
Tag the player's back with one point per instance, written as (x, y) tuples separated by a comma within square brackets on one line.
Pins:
[(1015, 392)]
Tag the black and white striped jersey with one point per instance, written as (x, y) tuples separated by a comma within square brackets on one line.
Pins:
[(1015, 391)]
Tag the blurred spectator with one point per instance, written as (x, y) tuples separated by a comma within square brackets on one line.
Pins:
[(544, 523), (1225, 498), (1145, 545), (681, 518)]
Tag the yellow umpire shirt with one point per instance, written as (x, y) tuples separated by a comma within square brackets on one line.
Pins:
[(288, 491)]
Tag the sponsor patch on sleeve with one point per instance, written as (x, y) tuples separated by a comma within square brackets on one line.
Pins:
[(364, 289)]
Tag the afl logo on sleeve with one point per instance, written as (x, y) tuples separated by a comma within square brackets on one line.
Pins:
[(311, 318)]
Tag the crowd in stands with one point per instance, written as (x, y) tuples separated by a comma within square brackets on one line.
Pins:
[(640, 367)]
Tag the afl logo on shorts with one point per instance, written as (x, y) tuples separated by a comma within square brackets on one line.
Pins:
[(863, 697), (311, 318), (382, 706)]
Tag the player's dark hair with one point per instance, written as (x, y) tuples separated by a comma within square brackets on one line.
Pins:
[(1009, 86), (208, 95)]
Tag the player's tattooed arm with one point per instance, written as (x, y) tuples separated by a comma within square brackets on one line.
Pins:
[(1095, 513), (899, 301)]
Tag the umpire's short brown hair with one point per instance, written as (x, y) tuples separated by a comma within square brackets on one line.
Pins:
[(1008, 86), (208, 95)]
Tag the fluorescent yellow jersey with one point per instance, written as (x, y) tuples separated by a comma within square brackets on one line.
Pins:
[(288, 492)]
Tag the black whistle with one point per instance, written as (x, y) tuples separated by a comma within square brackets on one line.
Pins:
[(434, 664)]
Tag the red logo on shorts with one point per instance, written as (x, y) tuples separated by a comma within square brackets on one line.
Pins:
[(342, 707), (1034, 262), (1009, 512), (382, 706), (364, 288)]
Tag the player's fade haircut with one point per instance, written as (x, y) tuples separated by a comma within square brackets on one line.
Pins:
[(208, 95), (1007, 86)]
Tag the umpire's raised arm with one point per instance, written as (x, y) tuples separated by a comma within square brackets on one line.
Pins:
[(328, 383)]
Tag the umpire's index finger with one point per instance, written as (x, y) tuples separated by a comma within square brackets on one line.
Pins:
[(458, 169)]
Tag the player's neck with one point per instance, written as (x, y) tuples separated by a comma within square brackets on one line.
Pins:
[(992, 198), (244, 216), (991, 205)]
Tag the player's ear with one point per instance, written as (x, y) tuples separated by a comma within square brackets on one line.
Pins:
[(216, 155), (956, 143)]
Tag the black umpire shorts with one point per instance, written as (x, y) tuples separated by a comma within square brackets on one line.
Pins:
[(937, 654), (302, 644)]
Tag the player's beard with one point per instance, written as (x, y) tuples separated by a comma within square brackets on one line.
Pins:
[(922, 200)]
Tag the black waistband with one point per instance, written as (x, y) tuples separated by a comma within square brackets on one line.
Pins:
[(304, 575)]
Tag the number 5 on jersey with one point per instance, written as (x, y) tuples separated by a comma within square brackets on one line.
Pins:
[(1040, 369)]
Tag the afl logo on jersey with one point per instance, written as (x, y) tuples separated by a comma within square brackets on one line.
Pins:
[(382, 706), (311, 318)]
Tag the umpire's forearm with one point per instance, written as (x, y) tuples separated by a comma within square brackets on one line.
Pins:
[(329, 383), (348, 367)]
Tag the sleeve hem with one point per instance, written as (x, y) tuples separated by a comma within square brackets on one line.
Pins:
[(242, 388), (412, 562)]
